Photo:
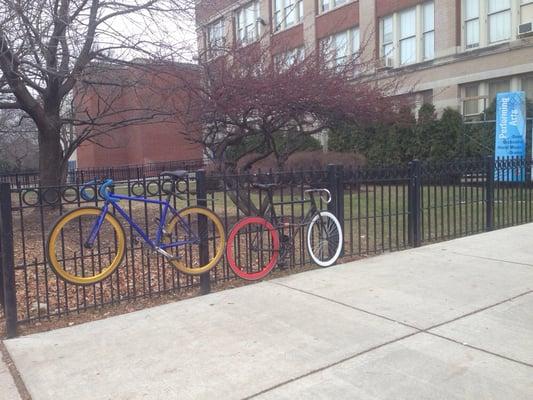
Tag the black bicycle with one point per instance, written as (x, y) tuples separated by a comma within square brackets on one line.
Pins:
[(256, 244)]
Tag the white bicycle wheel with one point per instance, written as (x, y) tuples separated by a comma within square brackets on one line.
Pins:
[(324, 238)]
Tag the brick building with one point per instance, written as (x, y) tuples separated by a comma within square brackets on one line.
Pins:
[(454, 53), (149, 140)]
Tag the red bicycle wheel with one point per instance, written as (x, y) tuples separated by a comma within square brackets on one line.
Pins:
[(253, 248)]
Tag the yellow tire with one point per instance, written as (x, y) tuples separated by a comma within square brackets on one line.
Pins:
[(76, 234), (188, 256)]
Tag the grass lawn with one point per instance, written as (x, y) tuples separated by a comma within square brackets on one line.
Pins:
[(375, 220), (375, 216)]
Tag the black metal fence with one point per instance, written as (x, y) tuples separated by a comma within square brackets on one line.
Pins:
[(120, 173), (381, 210)]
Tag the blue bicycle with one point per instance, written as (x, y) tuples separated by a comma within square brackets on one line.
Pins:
[(87, 244)]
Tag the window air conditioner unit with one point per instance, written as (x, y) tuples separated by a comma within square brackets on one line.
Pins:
[(386, 63), (525, 29)]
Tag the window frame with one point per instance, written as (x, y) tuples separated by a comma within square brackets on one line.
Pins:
[(472, 100), (384, 44), (280, 25), (212, 47), (484, 98), (392, 49), (281, 60), (242, 11), (484, 31), (332, 5), (495, 13), (351, 50), (409, 38), (467, 21), (428, 32)]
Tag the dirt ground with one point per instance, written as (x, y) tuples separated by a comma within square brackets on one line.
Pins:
[(127, 306)]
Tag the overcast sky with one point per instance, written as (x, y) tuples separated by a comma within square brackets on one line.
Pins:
[(181, 33)]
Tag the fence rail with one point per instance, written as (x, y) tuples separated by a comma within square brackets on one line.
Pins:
[(119, 173), (380, 209)]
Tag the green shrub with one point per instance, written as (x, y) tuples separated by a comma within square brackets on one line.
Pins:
[(306, 160), (253, 144)]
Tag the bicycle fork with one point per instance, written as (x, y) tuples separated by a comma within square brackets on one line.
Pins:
[(89, 243)]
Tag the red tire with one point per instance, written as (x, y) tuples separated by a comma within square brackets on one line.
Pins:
[(261, 248)]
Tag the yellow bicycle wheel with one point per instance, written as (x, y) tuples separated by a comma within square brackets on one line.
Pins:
[(195, 222), (77, 261)]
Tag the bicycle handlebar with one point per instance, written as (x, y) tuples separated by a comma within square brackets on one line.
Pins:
[(102, 190), (321, 191)]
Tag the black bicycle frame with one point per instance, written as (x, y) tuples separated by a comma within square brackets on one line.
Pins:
[(268, 205)]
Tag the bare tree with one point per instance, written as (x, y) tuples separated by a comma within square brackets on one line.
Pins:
[(269, 105), (272, 104), (18, 141), (54, 53)]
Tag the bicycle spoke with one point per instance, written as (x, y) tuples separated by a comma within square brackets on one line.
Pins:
[(324, 239)]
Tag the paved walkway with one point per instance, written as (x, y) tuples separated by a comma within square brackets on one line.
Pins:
[(448, 321), (8, 390)]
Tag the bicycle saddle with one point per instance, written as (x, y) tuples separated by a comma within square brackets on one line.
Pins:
[(178, 174)]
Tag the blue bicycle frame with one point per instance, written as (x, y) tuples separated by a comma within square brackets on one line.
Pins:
[(113, 199)]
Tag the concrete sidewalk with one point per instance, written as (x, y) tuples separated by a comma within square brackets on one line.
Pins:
[(8, 389), (447, 321)]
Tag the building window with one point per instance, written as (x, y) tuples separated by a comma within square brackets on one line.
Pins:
[(247, 24), (408, 36), (471, 100), (428, 25), (487, 22), (326, 5), (495, 87), (527, 86), (341, 47), (477, 97), (526, 11), (215, 38), (499, 20), (387, 38), (412, 31), (471, 23), (284, 60), (287, 13)]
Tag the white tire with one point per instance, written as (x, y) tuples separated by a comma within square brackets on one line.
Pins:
[(333, 226)]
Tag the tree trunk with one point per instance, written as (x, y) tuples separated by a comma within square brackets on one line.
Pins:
[(51, 163)]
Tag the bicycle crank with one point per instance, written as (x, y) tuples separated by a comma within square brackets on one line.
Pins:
[(167, 255)]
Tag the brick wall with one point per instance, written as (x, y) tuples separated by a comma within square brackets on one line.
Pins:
[(151, 140), (385, 7), (337, 20)]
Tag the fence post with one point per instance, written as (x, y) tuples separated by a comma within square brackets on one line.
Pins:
[(336, 187), (201, 200), (489, 190), (332, 187), (7, 261), (414, 203)]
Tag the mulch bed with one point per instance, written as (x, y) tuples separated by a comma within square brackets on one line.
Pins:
[(134, 305)]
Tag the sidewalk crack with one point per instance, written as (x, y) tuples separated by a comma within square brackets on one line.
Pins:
[(349, 306), (491, 259), (317, 370)]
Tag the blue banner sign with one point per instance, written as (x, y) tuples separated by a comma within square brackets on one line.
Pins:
[(510, 140)]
